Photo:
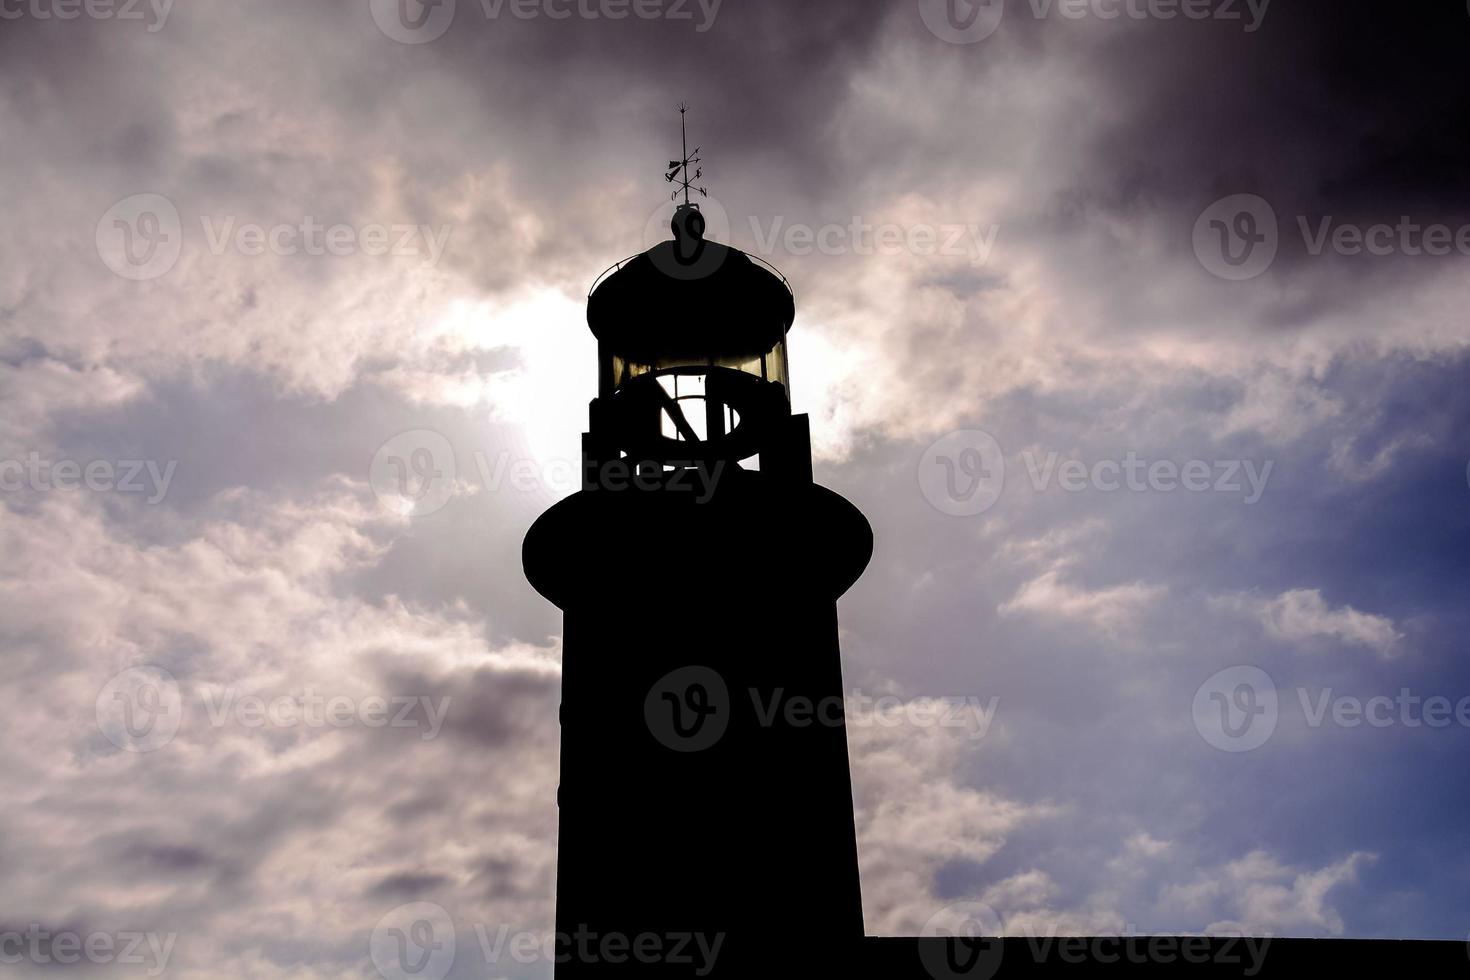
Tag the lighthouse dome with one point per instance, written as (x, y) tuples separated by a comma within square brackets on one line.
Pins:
[(689, 298)]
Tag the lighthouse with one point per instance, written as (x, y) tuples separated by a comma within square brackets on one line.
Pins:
[(705, 802)]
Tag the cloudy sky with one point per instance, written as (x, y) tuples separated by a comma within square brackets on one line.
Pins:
[(1141, 340)]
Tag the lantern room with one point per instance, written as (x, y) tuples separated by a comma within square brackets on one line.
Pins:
[(691, 349)]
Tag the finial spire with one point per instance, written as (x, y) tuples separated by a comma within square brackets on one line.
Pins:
[(686, 171)]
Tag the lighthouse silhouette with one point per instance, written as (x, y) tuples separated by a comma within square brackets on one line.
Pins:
[(705, 804)]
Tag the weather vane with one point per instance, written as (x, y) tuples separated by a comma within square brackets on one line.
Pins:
[(686, 171)]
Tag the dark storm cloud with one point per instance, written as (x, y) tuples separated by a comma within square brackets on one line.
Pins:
[(556, 71), (1340, 110), (491, 708), (167, 857), (406, 885), (1335, 107)]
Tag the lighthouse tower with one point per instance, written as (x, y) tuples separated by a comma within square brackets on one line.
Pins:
[(706, 820)]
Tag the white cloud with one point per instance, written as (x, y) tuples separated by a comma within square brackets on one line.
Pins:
[(254, 843), (1300, 616), (913, 816), (1112, 609), (1258, 895)]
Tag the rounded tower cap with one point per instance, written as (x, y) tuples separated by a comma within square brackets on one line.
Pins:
[(690, 296)]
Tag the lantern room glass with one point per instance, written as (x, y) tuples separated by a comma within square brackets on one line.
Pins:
[(771, 366)]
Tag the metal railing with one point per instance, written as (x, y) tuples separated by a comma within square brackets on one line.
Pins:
[(773, 271), (615, 267)]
